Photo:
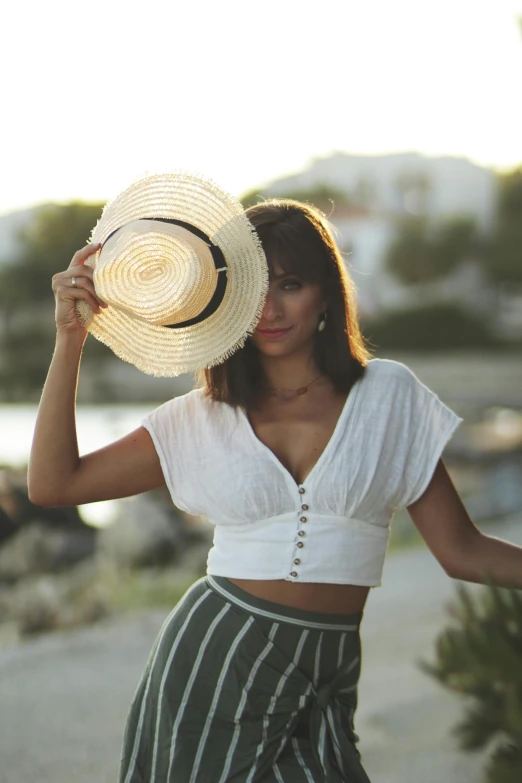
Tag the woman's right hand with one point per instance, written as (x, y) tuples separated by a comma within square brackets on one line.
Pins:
[(73, 284)]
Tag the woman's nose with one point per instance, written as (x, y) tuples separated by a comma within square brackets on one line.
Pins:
[(271, 310)]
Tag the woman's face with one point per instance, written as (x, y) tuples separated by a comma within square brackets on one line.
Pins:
[(290, 316)]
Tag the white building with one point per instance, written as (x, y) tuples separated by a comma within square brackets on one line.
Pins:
[(403, 183), (384, 188)]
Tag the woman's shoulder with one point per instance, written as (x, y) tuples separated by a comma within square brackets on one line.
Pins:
[(387, 371), (389, 384), (195, 405), (395, 385), (180, 407)]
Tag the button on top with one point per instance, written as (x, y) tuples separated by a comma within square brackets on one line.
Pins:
[(302, 490), (301, 533), (303, 519), (293, 573), (300, 544), (297, 561), (304, 507)]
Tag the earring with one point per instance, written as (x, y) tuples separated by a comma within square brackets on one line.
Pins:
[(322, 323)]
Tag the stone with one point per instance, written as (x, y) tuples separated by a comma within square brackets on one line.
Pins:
[(35, 548), (145, 534)]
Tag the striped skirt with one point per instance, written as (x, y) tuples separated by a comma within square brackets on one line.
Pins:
[(242, 690)]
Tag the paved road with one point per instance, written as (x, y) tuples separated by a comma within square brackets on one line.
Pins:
[(64, 697)]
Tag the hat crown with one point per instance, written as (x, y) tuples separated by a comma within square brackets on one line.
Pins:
[(157, 272)]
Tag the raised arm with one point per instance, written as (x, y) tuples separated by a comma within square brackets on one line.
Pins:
[(58, 476)]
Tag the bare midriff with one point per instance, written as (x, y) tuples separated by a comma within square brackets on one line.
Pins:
[(311, 596)]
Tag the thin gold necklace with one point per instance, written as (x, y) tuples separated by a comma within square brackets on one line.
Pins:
[(301, 390)]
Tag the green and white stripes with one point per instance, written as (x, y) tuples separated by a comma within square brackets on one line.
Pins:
[(239, 690)]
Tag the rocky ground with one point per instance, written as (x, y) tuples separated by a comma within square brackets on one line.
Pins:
[(64, 696)]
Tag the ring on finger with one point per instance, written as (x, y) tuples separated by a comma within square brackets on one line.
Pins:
[(73, 282)]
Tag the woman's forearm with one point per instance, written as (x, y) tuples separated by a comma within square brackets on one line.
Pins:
[(54, 453), (491, 559)]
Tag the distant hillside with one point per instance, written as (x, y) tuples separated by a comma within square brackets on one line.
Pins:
[(401, 183)]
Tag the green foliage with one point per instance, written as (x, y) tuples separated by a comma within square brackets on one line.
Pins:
[(432, 327), (421, 254), (46, 247), (322, 195), (502, 260), (252, 197), (480, 657)]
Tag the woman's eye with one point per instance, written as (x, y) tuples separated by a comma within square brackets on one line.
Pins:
[(291, 285)]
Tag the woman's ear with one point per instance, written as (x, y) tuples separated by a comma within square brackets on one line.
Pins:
[(325, 304)]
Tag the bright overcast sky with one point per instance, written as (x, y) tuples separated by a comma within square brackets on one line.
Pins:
[(98, 93)]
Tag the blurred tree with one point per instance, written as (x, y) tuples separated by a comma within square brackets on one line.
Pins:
[(480, 658), (45, 246), (251, 197), (420, 254), (502, 261), (430, 327), (322, 195)]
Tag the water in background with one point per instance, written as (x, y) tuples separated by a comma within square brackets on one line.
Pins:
[(97, 426), (498, 429)]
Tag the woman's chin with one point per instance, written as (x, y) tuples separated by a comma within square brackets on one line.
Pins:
[(280, 349)]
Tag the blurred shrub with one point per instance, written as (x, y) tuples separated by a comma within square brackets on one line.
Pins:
[(422, 253), (432, 327), (45, 246), (323, 195), (480, 658)]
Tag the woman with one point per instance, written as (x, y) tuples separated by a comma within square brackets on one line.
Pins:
[(299, 449)]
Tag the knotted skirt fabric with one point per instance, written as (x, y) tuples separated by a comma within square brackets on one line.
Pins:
[(242, 690)]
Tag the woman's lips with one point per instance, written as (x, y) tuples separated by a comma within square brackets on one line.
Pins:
[(273, 334)]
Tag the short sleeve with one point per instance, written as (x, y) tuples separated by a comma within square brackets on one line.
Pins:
[(168, 426), (426, 425)]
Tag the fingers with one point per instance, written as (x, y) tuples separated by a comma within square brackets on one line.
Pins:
[(78, 276), (74, 284), (69, 284), (69, 294), (81, 256), (85, 282), (77, 282)]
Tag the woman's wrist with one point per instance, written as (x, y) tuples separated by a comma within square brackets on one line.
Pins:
[(70, 342)]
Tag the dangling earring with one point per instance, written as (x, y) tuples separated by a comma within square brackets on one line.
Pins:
[(322, 323)]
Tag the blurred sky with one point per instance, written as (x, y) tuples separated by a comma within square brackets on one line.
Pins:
[(95, 94)]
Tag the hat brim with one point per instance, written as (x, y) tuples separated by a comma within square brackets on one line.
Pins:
[(161, 351)]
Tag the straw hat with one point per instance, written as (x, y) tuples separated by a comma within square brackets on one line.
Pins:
[(183, 272)]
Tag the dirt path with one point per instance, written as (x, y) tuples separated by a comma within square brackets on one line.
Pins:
[(64, 697)]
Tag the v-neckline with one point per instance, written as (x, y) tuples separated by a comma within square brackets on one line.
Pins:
[(333, 437)]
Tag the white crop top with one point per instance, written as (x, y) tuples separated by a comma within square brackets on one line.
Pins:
[(335, 526)]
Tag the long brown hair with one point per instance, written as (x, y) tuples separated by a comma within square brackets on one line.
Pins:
[(297, 237)]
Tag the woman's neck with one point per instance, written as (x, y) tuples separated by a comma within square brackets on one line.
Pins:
[(289, 372)]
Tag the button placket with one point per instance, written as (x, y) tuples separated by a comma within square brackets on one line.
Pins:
[(300, 533)]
